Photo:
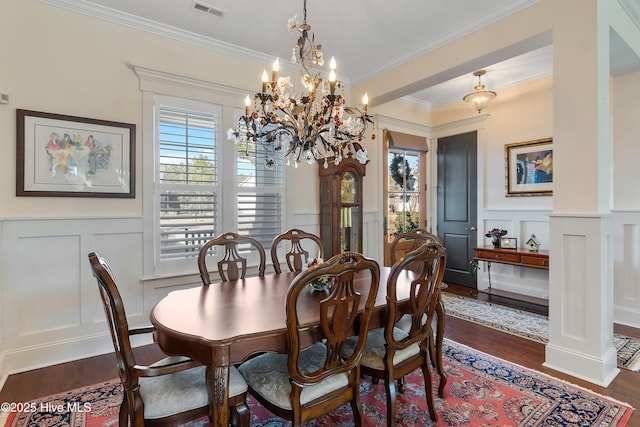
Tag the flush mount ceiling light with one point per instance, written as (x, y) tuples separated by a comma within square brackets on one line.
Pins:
[(479, 99), (314, 124)]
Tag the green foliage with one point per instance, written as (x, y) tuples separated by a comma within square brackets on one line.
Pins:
[(396, 173), (406, 221)]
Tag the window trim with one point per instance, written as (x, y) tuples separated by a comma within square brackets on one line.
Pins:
[(155, 83)]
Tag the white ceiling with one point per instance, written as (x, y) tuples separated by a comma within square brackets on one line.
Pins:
[(367, 37)]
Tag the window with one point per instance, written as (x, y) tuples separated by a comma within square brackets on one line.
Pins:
[(403, 190), (187, 178), (259, 195), (205, 185)]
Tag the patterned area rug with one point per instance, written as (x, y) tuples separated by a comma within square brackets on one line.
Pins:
[(481, 391), (528, 325)]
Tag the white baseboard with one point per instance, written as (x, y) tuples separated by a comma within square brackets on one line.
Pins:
[(626, 316), (600, 371), (36, 357)]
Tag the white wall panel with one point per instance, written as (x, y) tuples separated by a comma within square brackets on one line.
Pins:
[(574, 263), (45, 289), (626, 252)]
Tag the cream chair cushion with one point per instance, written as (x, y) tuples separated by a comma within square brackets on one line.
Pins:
[(169, 394), (405, 322), (268, 376), (374, 349)]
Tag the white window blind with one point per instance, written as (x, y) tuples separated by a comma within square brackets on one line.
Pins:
[(260, 194), (187, 180)]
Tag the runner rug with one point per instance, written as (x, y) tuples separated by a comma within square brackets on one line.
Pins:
[(528, 325), (481, 391)]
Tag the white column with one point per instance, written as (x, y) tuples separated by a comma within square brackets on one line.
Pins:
[(581, 257)]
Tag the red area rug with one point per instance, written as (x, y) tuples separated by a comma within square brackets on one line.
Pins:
[(482, 391)]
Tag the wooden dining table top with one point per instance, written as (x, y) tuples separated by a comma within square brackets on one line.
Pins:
[(246, 310)]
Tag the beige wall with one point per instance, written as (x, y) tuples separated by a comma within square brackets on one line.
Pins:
[(517, 114), (68, 63), (625, 169)]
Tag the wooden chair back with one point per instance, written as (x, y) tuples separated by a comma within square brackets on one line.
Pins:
[(231, 265), (409, 241), (427, 263), (345, 310), (297, 256), (118, 326)]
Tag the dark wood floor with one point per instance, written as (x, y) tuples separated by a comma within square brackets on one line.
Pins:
[(42, 382)]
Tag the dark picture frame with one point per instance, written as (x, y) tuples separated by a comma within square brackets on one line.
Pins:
[(68, 156), (529, 168)]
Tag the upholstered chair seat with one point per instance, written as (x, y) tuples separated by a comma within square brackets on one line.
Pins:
[(374, 350), (182, 391), (268, 375)]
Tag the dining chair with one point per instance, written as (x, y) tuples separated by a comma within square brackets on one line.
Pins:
[(314, 378), (391, 353), (231, 265), (297, 256), (171, 391), (402, 244)]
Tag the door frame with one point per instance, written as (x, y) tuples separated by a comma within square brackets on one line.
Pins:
[(386, 123)]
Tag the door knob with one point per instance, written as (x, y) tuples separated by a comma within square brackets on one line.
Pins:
[(473, 228)]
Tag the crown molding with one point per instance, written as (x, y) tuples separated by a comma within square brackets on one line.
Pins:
[(478, 22), (632, 7), (147, 25)]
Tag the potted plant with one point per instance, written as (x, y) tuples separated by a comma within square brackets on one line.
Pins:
[(495, 236)]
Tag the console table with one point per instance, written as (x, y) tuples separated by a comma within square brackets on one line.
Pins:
[(517, 257)]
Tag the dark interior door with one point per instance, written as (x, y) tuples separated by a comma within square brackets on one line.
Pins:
[(457, 204)]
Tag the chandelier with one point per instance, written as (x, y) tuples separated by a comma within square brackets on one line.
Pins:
[(312, 125), (479, 99)]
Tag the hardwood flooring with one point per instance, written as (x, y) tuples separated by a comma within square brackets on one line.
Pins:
[(54, 379)]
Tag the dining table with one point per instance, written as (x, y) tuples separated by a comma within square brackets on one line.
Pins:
[(223, 324)]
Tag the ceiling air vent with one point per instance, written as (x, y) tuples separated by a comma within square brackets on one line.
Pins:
[(208, 9)]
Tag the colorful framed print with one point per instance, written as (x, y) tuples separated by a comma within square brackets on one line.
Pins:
[(529, 168), (68, 156)]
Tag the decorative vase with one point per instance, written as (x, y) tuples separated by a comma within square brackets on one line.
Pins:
[(496, 242)]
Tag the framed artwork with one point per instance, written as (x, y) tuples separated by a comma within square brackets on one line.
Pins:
[(529, 168), (67, 156)]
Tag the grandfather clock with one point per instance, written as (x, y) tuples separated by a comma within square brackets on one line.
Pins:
[(341, 205)]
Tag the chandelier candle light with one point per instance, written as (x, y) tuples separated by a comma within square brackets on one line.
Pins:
[(309, 126)]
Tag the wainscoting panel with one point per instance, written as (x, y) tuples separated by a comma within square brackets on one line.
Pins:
[(626, 252), (45, 280), (51, 309)]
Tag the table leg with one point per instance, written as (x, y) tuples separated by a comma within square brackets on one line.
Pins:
[(218, 380)]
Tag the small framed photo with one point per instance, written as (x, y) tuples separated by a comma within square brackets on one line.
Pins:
[(508, 243), (529, 168)]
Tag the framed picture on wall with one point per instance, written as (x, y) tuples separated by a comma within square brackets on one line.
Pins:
[(68, 156), (529, 168)]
